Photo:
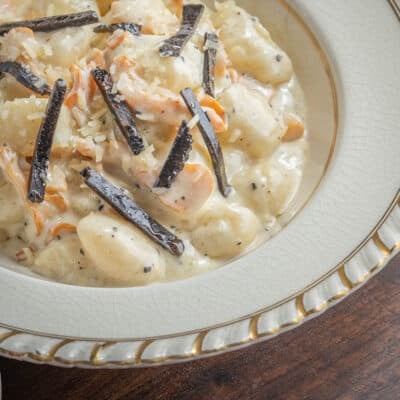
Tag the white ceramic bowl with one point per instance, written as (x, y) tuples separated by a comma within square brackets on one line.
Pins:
[(347, 222)]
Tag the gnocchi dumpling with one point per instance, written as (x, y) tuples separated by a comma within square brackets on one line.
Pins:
[(284, 185), (64, 260), (249, 45), (154, 16), (65, 47), (225, 230), (269, 186), (176, 73), (253, 125), (43, 51), (11, 209), (20, 122), (84, 202), (120, 251), (252, 184)]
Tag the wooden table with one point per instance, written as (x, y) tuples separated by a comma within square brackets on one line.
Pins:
[(351, 352)]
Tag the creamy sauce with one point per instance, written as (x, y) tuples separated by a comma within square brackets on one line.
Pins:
[(258, 114)]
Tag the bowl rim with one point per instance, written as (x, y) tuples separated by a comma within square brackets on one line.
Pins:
[(36, 355), (375, 237)]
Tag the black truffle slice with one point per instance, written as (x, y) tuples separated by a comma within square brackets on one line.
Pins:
[(117, 198), (56, 22), (177, 157), (210, 57), (173, 46), (120, 110), (210, 139), (44, 141), (22, 73), (110, 28)]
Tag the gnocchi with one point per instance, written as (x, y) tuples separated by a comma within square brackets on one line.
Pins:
[(249, 45), (253, 125), (119, 250), (20, 121), (224, 231), (176, 73), (155, 17)]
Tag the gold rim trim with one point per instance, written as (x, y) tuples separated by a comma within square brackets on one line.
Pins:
[(197, 349)]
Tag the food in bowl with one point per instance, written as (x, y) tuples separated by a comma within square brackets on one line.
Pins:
[(149, 145)]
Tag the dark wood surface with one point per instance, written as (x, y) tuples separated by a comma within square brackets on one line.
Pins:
[(350, 352)]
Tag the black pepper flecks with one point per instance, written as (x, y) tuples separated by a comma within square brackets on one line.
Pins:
[(254, 186), (147, 269), (210, 139), (118, 199), (278, 58), (22, 73), (44, 141), (177, 157), (56, 22), (120, 110), (173, 46)]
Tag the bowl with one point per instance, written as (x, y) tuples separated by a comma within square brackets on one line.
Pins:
[(344, 224)]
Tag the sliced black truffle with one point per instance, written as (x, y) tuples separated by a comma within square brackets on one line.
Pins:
[(177, 157), (173, 46), (22, 73), (210, 139), (44, 141), (120, 110), (110, 28), (56, 22), (118, 199), (210, 58)]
